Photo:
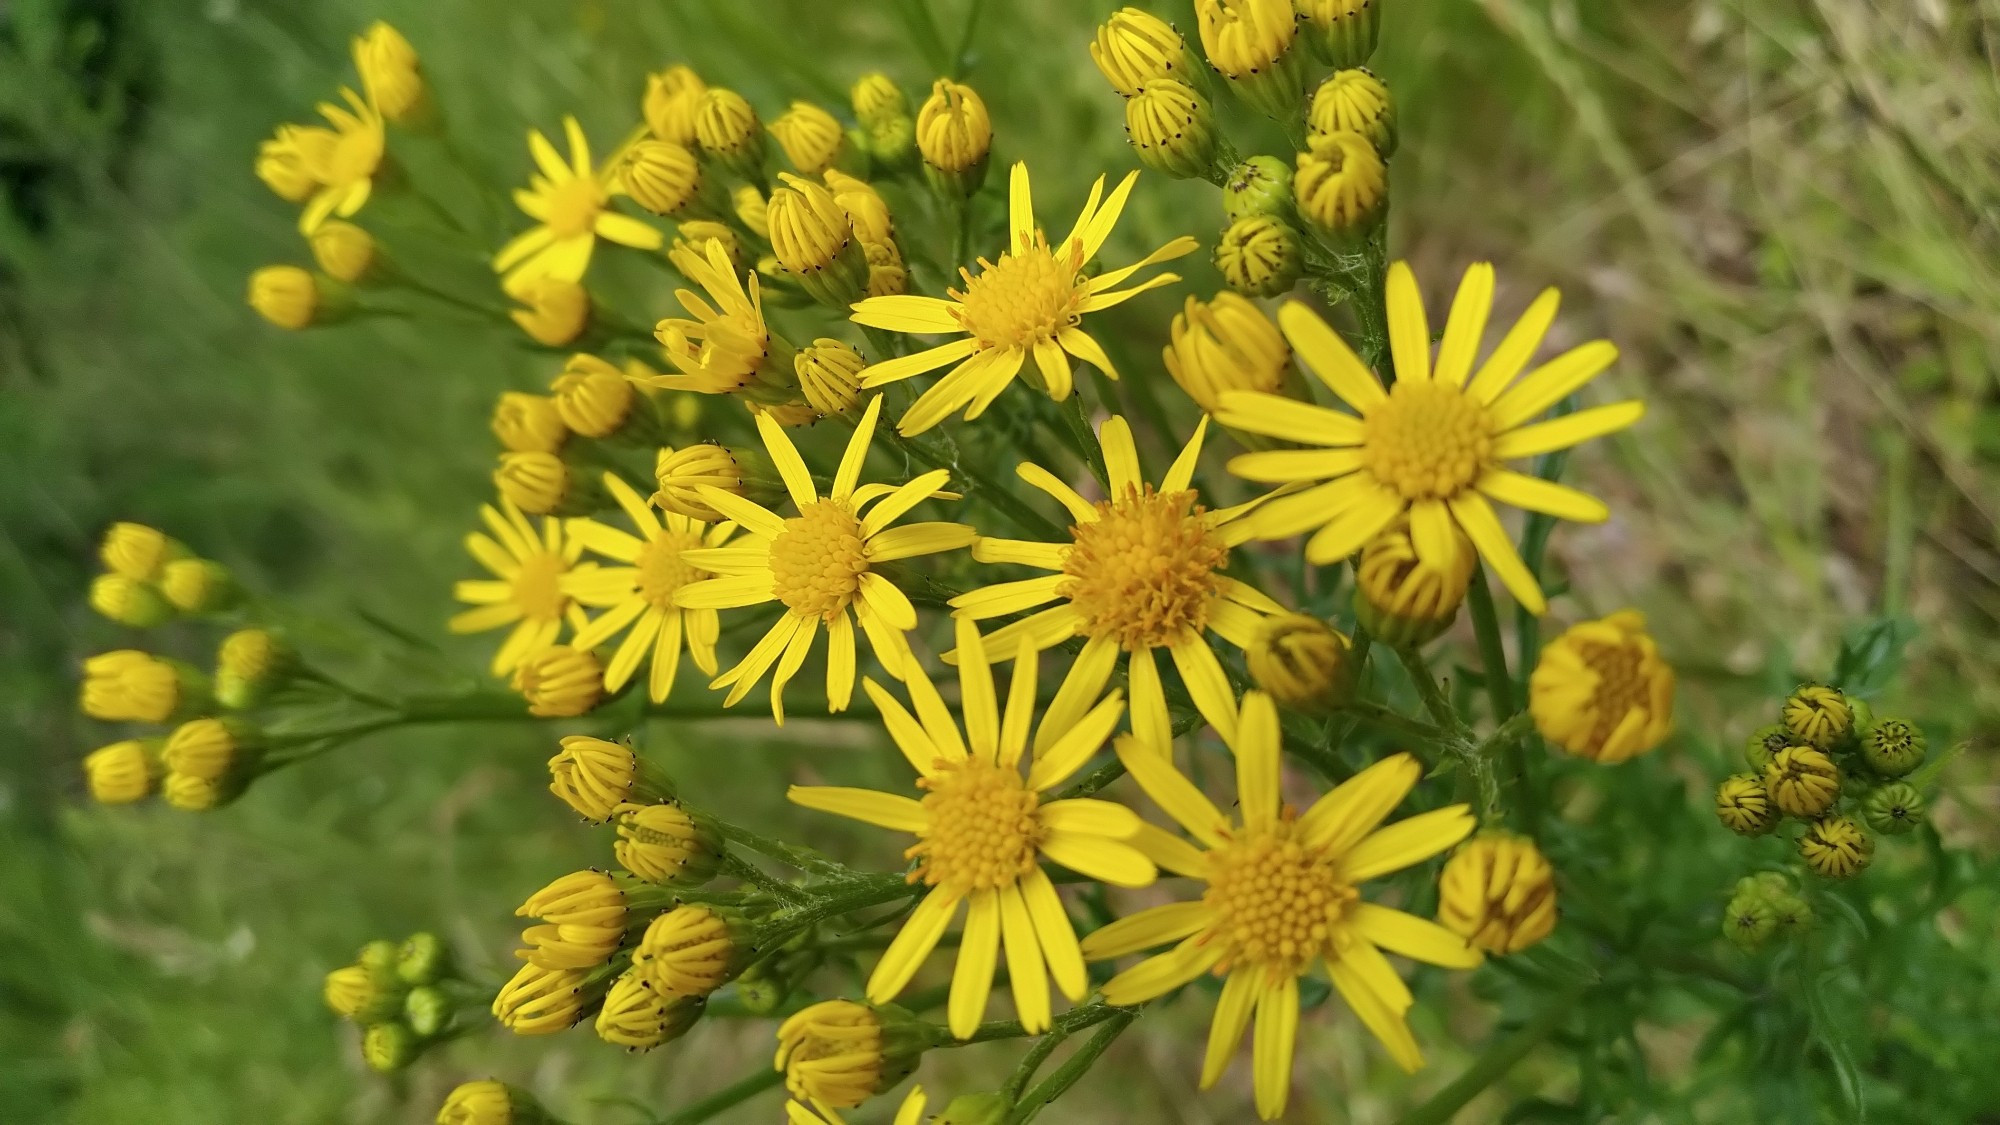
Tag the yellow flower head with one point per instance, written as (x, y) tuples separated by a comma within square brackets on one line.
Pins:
[(1355, 101), (528, 423), (811, 137), (1142, 573), (1498, 892), (1227, 344), (287, 296), (592, 396), (1243, 38), (673, 101), (536, 483), (638, 1017), (1340, 184), (865, 207), (1302, 662), (1252, 925), (820, 565), (983, 828), (664, 843), (1818, 716), (129, 686), (1434, 446), (129, 602), (526, 590), (683, 473), (662, 177), (1601, 691), (728, 130), (288, 163), (727, 344), (136, 551), (1030, 302), (1258, 255), (583, 915), (1743, 805), (954, 132), (1404, 597), (344, 169), (343, 251), (1837, 847), (839, 1053), (122, 772), (690, 950), (814, 241), (560, 681), (646, 569), (1802, 781), (389, 72), (556, 311), (541, 1001), (1134, 45), (830, 375), (570, 203)]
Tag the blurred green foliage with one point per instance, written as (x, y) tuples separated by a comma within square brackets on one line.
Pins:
[(1783, 210)]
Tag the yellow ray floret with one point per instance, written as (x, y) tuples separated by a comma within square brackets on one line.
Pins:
[(1435, 444), (820, 565), (344, 168), (984, 827), (1029, 303), (1142, 572), (1282, 899), (570, 202), (530, 569)]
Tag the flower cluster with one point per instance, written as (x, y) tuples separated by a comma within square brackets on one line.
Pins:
[(405, 997)]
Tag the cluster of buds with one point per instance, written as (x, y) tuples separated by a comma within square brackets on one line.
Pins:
[(404, 996), (150, 579), (1764, 906), (1837, 770), (553, 446), (840, 1053)]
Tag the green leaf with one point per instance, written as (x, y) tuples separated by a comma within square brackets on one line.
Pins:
[(1871, 654)]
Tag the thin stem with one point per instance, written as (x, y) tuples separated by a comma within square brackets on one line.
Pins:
[(738, 867), (1492, 654), (1032, 1061), (1498, 1059), (1440, 708), (791, 855), (1085, 440), (356, 694), (1057, 1084), (729, 1097)]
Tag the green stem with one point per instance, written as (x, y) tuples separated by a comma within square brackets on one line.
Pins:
[(791, 855), (993, 492), (729, 1097), (1501, 697), (1057, 1084), (1086, 441), (1498, 1059), (1093, 781), (740, 868), (1440, 708)]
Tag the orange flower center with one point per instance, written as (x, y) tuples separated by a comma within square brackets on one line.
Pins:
[(1276, 904), (1428, 441), (1146, 571), (983, 833)]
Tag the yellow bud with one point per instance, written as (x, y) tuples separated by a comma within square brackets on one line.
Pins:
[(865, 207), (1340, 184), (137, 551), (690, 950), (1355, 101), (1601, 691), (1403, 597), (249, 665), (1342, 32), (662, 177), (954, 135), (728, 130), (287, 296), (555, 313), (487, 1102), (1837, 847), (876, 99), (1802, 781), (814, 242), (887, 275), (528, 423), (664, 843), (594, 776), (639, 1018), (560, 682), (1498, 892), (193, 794), (536, 483), (1227, 344), (682, 473), (210, 749), (1134, 45), (131, 686), (1818, 715), (751, 208), (287, 162), (593, 397), (1250, 43), (840, 1053), (539, 1001), (122, 772), (344, 251), (199, 586), (673, 102), (1258, 256), (1743, 805), (389, 72), (1302, 662), (1171, 128), (698, 233), (135, 604), (584, 922), (811, 137), (829, 373), (363, 994)]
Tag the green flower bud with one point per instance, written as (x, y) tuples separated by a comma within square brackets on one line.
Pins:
[(423, 958), (1261, 185), (1894, 809), (1748, 922), (1341, 32), (428, 1011), (389, 1047), (1794, 914), (1893, 747), (761, 994), (380, 954)]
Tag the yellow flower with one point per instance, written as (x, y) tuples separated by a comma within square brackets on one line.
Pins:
[(570, 202), (638, 1018), (1743, 805), (638, 592), (129, 602), (1302, 662), (1498, 892), (1134, 45), (533, 482), (811, 137), (127, 685), (911, 1112), (664, 843), (560, 681), (345, 169), (121, 773), (1802, 781), (1433, 446), (673, 101), (1258, 255), (984, 827), (526, 590), (1028, 303), (288, 162), (1143, 572), (662, 177), (728, 131), (1601, 691), (1818, 716), (690, 950), (1250, 926), (343, 250), (839, 1053), (1355, 101), (750, 207), (528, 423), (814, 241), (556, 311), (593, 397), (1404, 598), (583, 915), (287, 296), (539, 1001), (389, 72), (820, 564), (1340, 185), (1836, 847), (865, 206), (954, 131), (136, 551), (1227, 344), (727, 344), (595, 777)]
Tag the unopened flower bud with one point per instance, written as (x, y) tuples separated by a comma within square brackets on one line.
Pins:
[(1340, 185), (592, 397), (390, 73), (1135, 45), (672, 103), (1748, 922), (954, 135), (877, 98), (1601, 691), (488, 1102), (814, 242), (667, 844), (287, 296), (1743, 806), (379, 954), (828, 374), (129, 602), (1259, 256), (527, 423), (1892, 747), (1836, 847), (691, 950), (196, 794), (1261, 185), (762, 989), (638, 1017), (892, 142), (1404, 598), (841, 1053), (1818, 716), (363, 994), (663, 177), (1355, 101), (249, 666), (1764, 743), (122, 772), (389, 1047), (812, 138), (1226, 344), (138, 552), (423, 958), (131, 686), (344, 251), (556, 311), (1171, 128), (218, 750), (682, 473), (1302, 662), (536, 483), (1802, 781), (595, 777), (428, 1011), (1498, 892), (1894, 809), (729, 132), (1342, 32), (698, 234), (539, 1001), (753, 209), (865, 207), (199, 586), (560, 682), (887, 275), (1251, 43), (584, 921)]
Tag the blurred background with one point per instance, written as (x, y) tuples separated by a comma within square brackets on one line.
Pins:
[(1783, 211)]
